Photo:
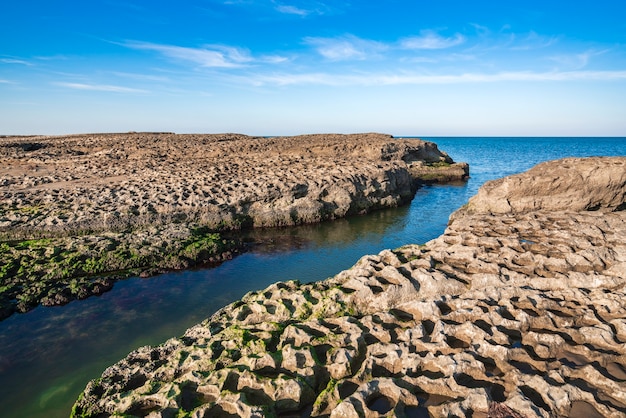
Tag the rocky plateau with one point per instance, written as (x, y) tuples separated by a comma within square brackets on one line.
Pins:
[(517, 310), (78, 212), (109, 182)]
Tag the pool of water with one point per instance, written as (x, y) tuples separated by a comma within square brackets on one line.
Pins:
[(48, 355)]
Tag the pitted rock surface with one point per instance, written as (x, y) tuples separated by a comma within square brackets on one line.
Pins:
[(79, 207), (520, 315), (103, 182)]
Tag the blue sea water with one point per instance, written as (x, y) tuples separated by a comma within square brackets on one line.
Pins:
[(49, 354)]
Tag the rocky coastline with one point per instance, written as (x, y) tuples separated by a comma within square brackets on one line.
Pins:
[(516, 310), (78, 212)]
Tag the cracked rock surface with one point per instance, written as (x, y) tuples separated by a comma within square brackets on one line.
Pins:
[(516, 314)]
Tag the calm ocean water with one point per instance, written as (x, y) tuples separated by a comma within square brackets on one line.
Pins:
[(49, 354)]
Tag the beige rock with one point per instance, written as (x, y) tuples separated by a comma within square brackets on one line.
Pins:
[(573, 184), (461, 326), (113, 181)]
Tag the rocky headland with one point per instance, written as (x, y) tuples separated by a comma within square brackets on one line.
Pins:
[(517, 310), (78, 212)]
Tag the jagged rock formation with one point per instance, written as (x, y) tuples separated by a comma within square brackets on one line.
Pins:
[(104, 182), (518, 314)]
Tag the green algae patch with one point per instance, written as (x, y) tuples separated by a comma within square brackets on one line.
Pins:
[(54, 271)]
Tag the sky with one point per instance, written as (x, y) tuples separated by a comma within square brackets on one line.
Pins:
[(287, 67)]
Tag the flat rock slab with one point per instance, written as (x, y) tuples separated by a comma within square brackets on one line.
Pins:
[(517, 315)]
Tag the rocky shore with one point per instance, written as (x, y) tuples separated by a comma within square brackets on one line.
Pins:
[(78, 212), (516, 310)]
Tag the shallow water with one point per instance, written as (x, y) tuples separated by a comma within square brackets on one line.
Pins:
[(49, 354)]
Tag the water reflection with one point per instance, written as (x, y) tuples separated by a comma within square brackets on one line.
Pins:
[(338, 233)]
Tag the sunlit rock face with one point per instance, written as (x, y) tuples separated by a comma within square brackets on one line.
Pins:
[(517, 312)]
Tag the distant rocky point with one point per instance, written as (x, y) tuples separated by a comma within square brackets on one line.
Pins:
[(517, 310)]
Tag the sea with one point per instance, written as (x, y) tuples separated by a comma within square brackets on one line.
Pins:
[(48, 355)]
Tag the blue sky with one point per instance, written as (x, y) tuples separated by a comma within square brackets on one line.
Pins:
[(274, 67)]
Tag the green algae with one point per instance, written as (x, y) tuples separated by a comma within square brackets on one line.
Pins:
[(55, 270)]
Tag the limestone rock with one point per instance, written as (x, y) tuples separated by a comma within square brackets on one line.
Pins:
[(576, 184), (103, 182), (518, 314), (98, 197)]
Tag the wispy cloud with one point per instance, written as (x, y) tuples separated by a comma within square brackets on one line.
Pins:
[(209, 56), (141, 77), (302, 8), (576, 61), (328, 79), (348, 47), (292, 10), (484, 30), (100, 87), (429, 39), (52, 58), (351, 47), (426, 58), (14, 61), (531, 41), (305, 8), (217, 56)]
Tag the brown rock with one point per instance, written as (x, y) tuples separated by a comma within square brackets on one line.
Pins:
[(115, 181)]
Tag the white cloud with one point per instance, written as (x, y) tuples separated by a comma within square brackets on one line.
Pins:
[(141, 77), (218, 56), (431, 40), (210, 56), (309, 8), (52, 58), (14, 61), (328, 79), (484, 30), (100, 87), (521, 76), (302, 8), (292, 10), (576, 61), (347, 47), (531, 41), (273, 59)]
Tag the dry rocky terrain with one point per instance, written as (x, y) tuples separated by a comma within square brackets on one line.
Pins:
[(109, 182), (516, 310), (78, 212)]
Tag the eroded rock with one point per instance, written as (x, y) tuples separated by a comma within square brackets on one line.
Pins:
[(103, 182), (519, 314), (574, 184), (75, 207)]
